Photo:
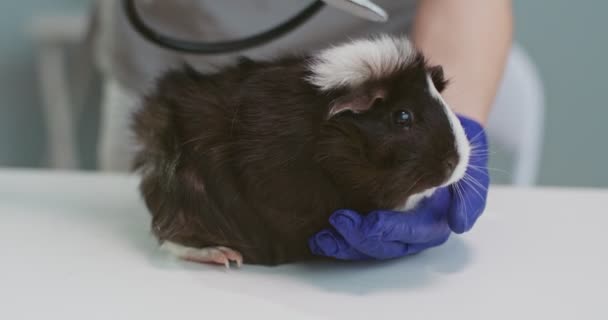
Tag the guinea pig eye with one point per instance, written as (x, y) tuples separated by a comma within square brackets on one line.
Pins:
[(403, 118)]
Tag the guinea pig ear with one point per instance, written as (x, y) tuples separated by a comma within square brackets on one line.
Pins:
[(356, 101), (438, 77)]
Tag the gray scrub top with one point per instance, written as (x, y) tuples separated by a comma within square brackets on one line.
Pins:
[(124, 55)]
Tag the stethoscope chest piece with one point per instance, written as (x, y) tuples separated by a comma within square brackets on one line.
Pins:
[(361, 8)]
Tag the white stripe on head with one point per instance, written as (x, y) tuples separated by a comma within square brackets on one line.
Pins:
[(353, 63), (463, 148), (461, 142)]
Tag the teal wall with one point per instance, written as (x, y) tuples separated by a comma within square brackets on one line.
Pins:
[(569, 42), (567, 39)]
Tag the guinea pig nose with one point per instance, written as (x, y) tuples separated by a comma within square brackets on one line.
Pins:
[(450, 164)]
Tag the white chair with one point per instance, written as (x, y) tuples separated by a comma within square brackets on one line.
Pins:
[(62, 83), (517, 119), (516, 122)]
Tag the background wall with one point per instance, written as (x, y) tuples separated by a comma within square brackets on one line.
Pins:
[(21, 120), (566, 39)]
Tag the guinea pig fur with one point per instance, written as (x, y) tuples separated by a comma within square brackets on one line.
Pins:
[(246, 163)]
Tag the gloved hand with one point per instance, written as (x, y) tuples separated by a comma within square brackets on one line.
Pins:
[(391, 234)]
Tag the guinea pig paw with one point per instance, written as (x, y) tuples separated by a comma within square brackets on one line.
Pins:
[(215, 255), (209, 255), (232, 256)]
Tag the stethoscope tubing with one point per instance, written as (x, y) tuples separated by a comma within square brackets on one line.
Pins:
[(220, 47)]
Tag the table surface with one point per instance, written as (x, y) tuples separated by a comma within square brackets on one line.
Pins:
[(77, 246)]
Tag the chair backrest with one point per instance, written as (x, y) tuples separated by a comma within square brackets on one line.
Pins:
[(517, 119)]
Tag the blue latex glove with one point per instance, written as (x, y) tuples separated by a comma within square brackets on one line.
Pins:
[(391, 234)]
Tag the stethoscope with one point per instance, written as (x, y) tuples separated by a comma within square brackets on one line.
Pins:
[(362, 8)]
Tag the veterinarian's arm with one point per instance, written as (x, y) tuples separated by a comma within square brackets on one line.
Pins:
[(471, 40)]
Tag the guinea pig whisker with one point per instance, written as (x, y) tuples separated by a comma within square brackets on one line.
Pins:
[(478, 169), (458, 189), (476, 150), (476, 193), (416, 182), (482, 171), (466, 200), (475, 137), (474, 145), (199, 138), (191, 141), (498, 170), (470, 178), (474, 187), (478, 153)]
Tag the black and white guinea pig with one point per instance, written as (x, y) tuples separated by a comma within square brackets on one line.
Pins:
[(246, 163)]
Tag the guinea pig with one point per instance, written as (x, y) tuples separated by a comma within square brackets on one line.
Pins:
[(245, 163)]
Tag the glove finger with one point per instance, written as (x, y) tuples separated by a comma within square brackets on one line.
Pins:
[(469, 202), (394, 249), (397, 249), (469, 194), (328, 243), (418, 247), (423, 224), (366, 235)]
